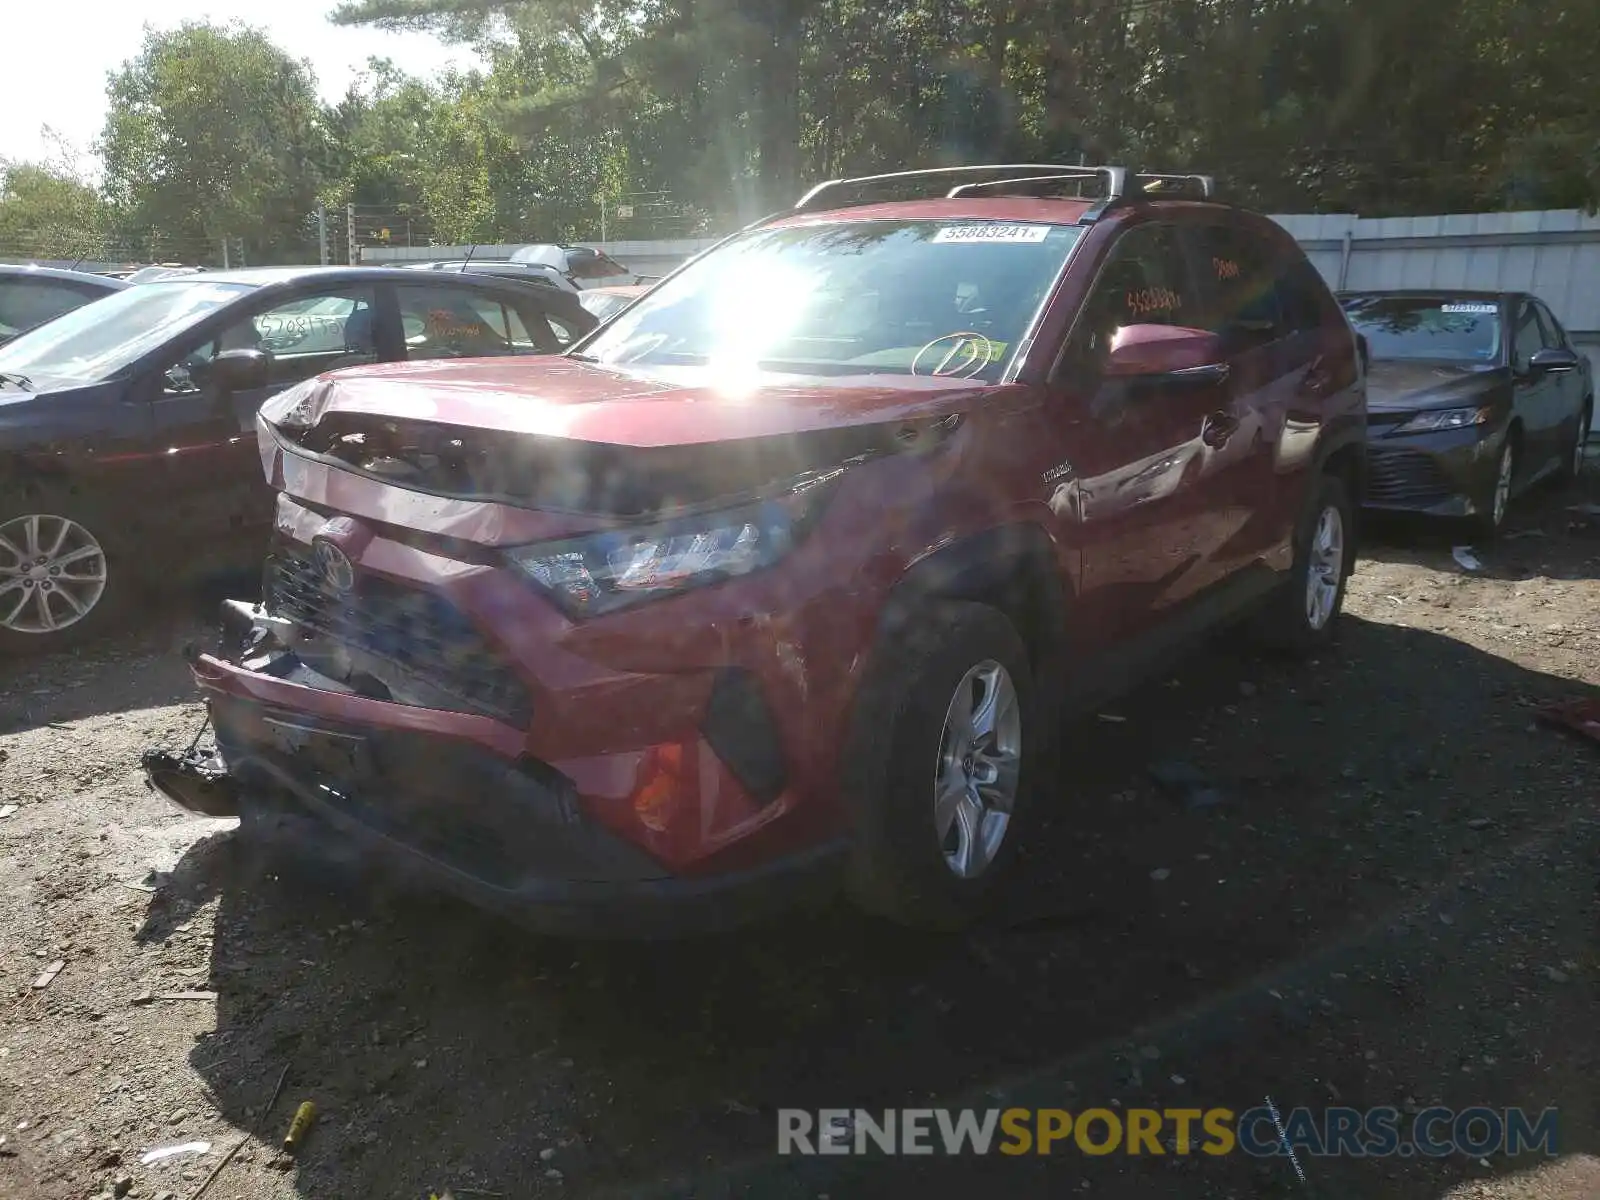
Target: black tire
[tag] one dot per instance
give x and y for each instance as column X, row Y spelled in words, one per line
column 1571, row 469
column 1486, row 526
column 1285, row 624
column 121, row 588
column 898, row 866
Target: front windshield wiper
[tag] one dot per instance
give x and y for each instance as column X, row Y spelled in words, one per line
column 17, row 381
column 583, row 357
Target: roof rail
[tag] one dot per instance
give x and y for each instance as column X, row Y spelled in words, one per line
column 1028, row 178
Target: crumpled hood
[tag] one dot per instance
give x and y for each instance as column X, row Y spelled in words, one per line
column 1408, row 386
column 680, row 406
column 558, row 435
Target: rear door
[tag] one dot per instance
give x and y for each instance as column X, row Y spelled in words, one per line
column 1263, row 304
column 1150, row 484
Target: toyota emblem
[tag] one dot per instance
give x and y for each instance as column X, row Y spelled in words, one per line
column 338, row 572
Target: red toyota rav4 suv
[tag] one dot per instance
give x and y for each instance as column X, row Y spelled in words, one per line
column 790, row 574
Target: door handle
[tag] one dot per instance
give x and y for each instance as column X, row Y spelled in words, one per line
column 1317, row 379
column 1218, row 428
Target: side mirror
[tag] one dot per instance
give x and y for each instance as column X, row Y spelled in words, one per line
column 236, row 371
column 1168, row 354
column 1552, row 360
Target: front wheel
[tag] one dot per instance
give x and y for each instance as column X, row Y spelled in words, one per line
column 940, row 766
column 1493, row 517
column 58, row 584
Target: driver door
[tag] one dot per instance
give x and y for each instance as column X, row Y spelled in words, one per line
column 213, row 478
column 1148, row 493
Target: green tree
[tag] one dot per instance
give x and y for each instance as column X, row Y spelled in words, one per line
column 47, row 213
column 214, row 133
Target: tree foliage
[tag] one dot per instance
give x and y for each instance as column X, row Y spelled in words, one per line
column 733, row 106
column 214, row 133
column 46, row 212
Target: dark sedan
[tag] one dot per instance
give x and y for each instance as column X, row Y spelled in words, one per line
column 127, row 426
column 30, row 296
column 1472, row 397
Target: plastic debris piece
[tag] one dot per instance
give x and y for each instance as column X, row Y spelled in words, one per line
column 7, row 809
column 298, row 1128
column 48, row 975
column 186, row 995
column 161, row 1152
column 1465, row 558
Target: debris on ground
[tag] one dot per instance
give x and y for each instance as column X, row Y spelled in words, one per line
column 48, row 975
column 300, row 1126
column 164, row 1152
column 1466, row 558
column 186, row 995
column 7, row 809
column 1579, row 716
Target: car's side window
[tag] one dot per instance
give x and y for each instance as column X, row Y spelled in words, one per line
column 445, row 321
column 1145, row 281
column 302, row 337
column 1249, row 300
column 1554, row 336
column 28, row 302
column 1526, row 338
column 564, row 331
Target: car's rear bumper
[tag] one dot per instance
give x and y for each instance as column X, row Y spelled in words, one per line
column 449, row 800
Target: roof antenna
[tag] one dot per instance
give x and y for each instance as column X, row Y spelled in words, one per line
column 466, row 262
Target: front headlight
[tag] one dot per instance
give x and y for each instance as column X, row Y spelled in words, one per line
column 616, row 569
column 1448, row 418
column 298, row 408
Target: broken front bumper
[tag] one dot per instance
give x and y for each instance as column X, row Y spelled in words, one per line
column 447, row 797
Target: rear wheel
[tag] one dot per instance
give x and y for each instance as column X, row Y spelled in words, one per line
column 1572, row 466
column 60, row 582
column 940, row 766
column 1304, row 613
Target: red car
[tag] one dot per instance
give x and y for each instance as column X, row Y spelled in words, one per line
column 788, row 576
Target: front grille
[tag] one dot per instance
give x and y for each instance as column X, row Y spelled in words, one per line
column 417, row 631
column 1405, row 477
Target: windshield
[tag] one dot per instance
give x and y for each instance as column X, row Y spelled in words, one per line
column 858, row 297
column 1429, row 327
column 96, row 341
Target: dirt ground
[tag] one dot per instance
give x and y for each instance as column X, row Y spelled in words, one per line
column 1394, row 903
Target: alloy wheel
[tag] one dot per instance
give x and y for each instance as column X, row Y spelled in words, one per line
column 1324, row 567
column 979, row 769
column 1502, row 487
column 52, row 573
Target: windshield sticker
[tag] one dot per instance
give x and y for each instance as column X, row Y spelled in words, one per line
column 992, row 233
column 1469, row 308
column 1225, row 268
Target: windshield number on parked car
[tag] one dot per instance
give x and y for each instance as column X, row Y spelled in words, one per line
column 1468, row 308
column 1226, row 268
column 1152, row 300
column 992, row 233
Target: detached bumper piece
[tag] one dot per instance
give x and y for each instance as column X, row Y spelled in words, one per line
column 196, row 781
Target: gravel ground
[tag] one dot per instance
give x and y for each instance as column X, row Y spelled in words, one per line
column 1394, row 903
